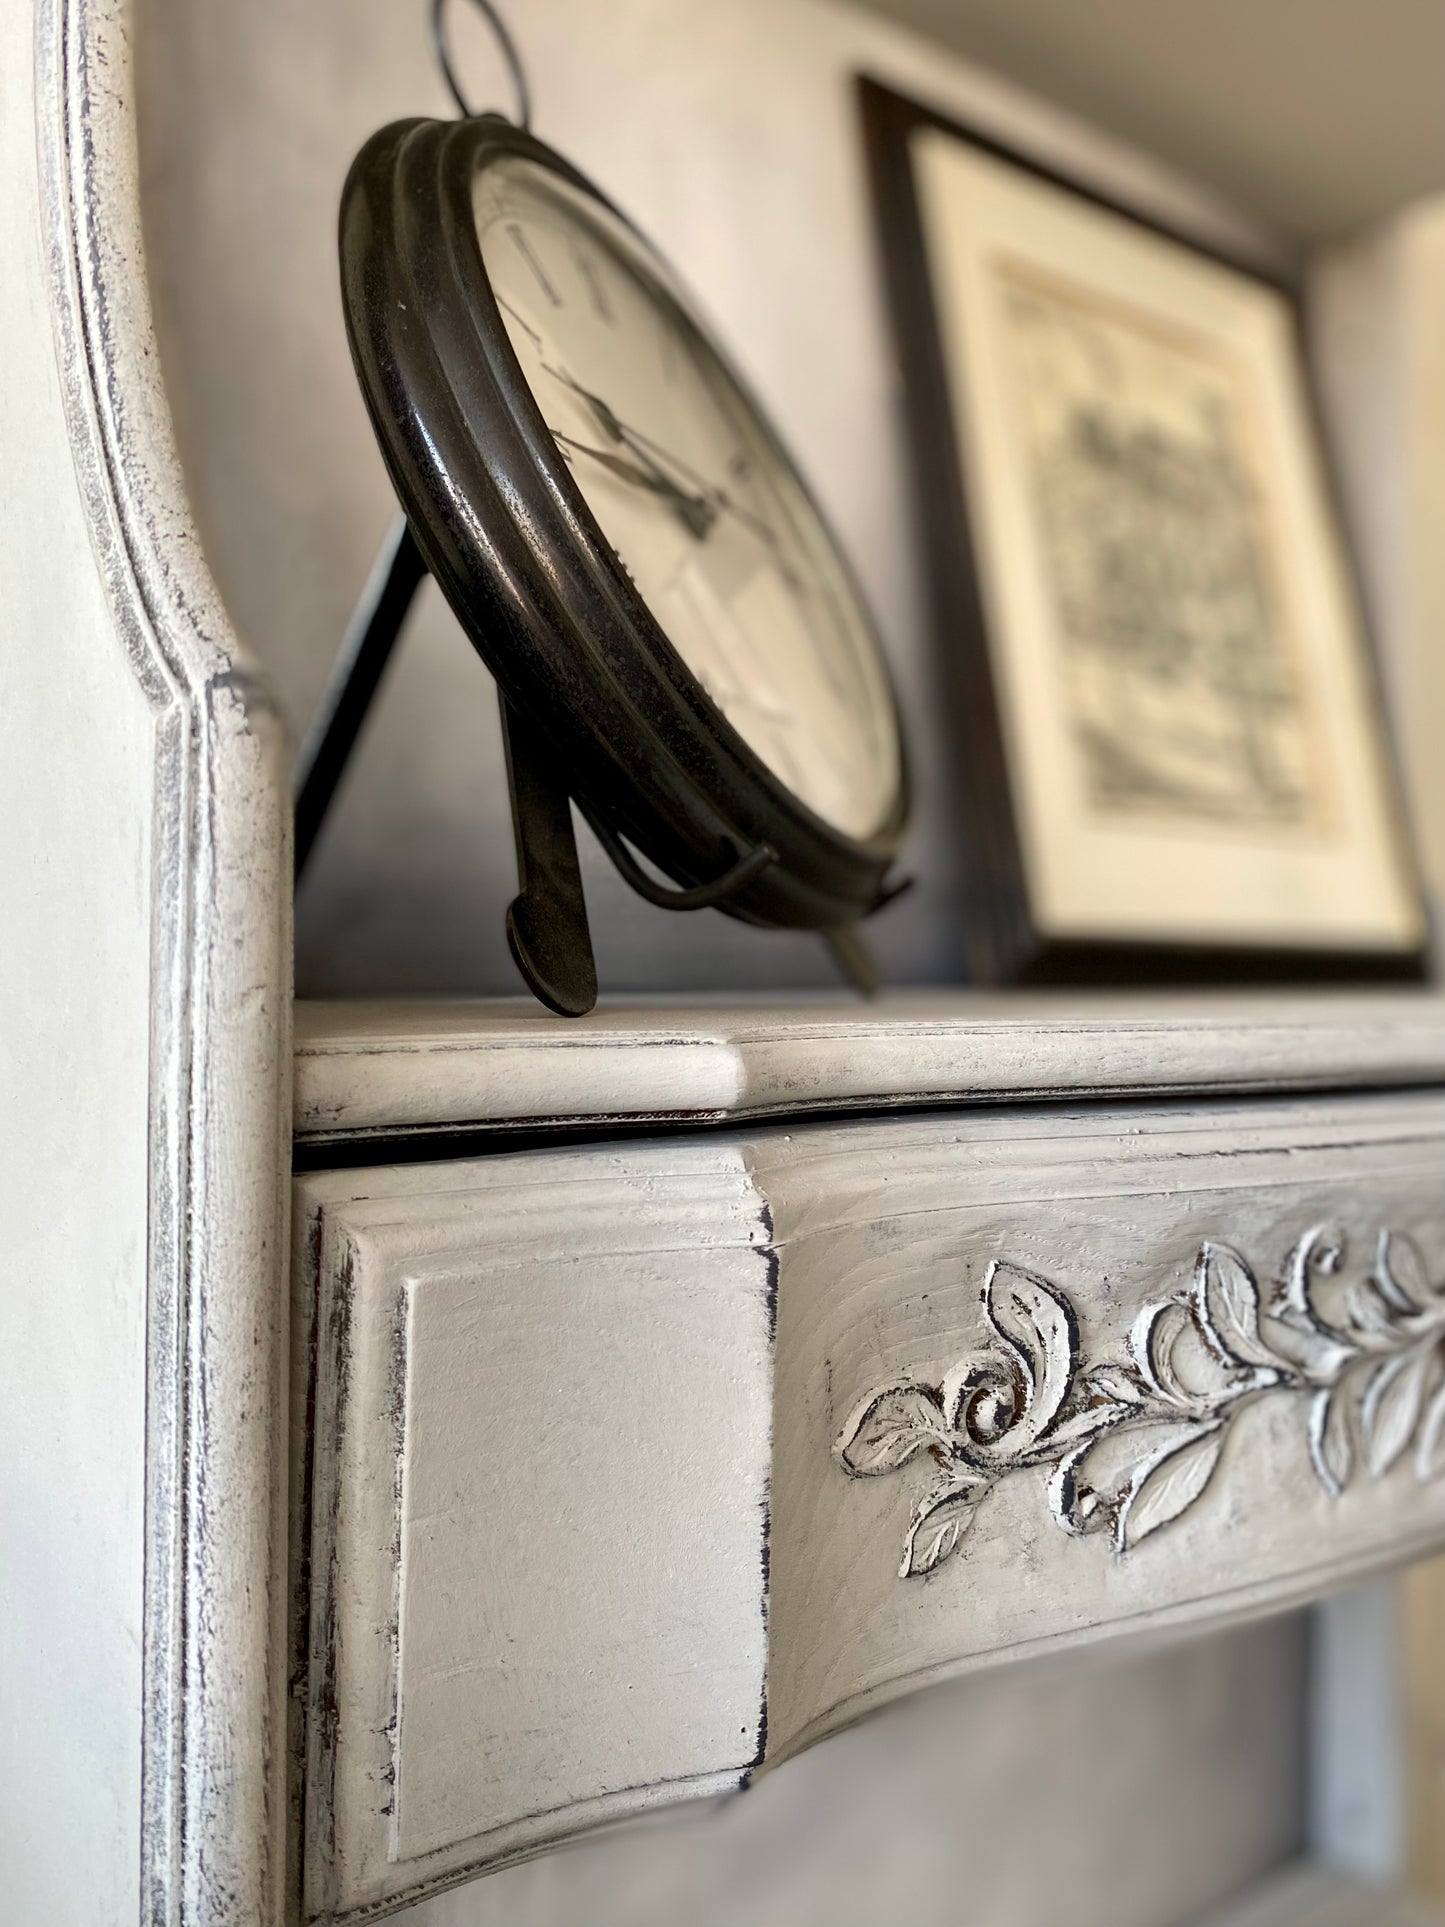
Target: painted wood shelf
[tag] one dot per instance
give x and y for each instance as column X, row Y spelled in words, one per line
column 392, row 1069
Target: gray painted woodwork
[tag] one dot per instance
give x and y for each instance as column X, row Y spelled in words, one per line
column 677, row 1368
column 145, row 1003
column 368, row 1068
column 145, row 999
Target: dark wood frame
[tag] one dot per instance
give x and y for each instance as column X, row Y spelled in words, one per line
column 1000, row 943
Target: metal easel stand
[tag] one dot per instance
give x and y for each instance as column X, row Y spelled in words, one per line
column 547, row 927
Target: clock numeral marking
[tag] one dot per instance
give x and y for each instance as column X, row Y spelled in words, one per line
column 524, row 248
column 587, row 268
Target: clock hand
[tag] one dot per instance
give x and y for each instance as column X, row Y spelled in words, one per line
column 714, row 492
column 646, row 448
column 611, row 426
column 695, row 512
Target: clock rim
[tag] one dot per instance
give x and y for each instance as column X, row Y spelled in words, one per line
column 524, row 563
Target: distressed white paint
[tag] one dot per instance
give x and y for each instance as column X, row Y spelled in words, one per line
column 886, row 1234
column 143, row 994
column 882, row 1236
column 144, row 1000
column 398, row 1067
column 499, row 1349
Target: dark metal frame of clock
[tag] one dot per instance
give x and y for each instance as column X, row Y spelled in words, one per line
column 597, row 704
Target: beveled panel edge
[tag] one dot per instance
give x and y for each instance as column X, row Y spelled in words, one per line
column 402, row 1069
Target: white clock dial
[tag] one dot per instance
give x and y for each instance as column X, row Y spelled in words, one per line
column 689, row 489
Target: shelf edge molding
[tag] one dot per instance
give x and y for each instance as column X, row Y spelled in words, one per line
column 393, row 1070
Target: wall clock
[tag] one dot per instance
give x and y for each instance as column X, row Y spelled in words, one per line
column 677, row 640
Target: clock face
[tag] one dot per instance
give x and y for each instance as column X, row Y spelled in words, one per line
column 691, row 492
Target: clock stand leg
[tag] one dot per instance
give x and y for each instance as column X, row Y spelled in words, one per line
column 547, row 922
column 853, row 958
column 547, row 919
column 360, row 663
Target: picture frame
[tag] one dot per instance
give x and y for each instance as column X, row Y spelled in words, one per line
column 1173, row 762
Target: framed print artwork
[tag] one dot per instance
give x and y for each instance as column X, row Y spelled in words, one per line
column 1171, row 750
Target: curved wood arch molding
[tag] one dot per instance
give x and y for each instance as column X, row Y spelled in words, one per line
column 219, row 1025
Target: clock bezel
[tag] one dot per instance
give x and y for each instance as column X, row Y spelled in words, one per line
column 523, row 562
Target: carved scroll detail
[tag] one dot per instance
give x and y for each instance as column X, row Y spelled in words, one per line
column 1131, row 1445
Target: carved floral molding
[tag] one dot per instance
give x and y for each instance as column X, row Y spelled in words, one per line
column 1131, row 1445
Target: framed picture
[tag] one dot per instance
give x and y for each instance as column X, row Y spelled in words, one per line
column 1171, row 750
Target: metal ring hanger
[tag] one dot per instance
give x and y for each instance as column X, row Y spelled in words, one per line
column 509, row 54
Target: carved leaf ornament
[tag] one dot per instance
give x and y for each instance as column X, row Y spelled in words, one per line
column 1130, row 1446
